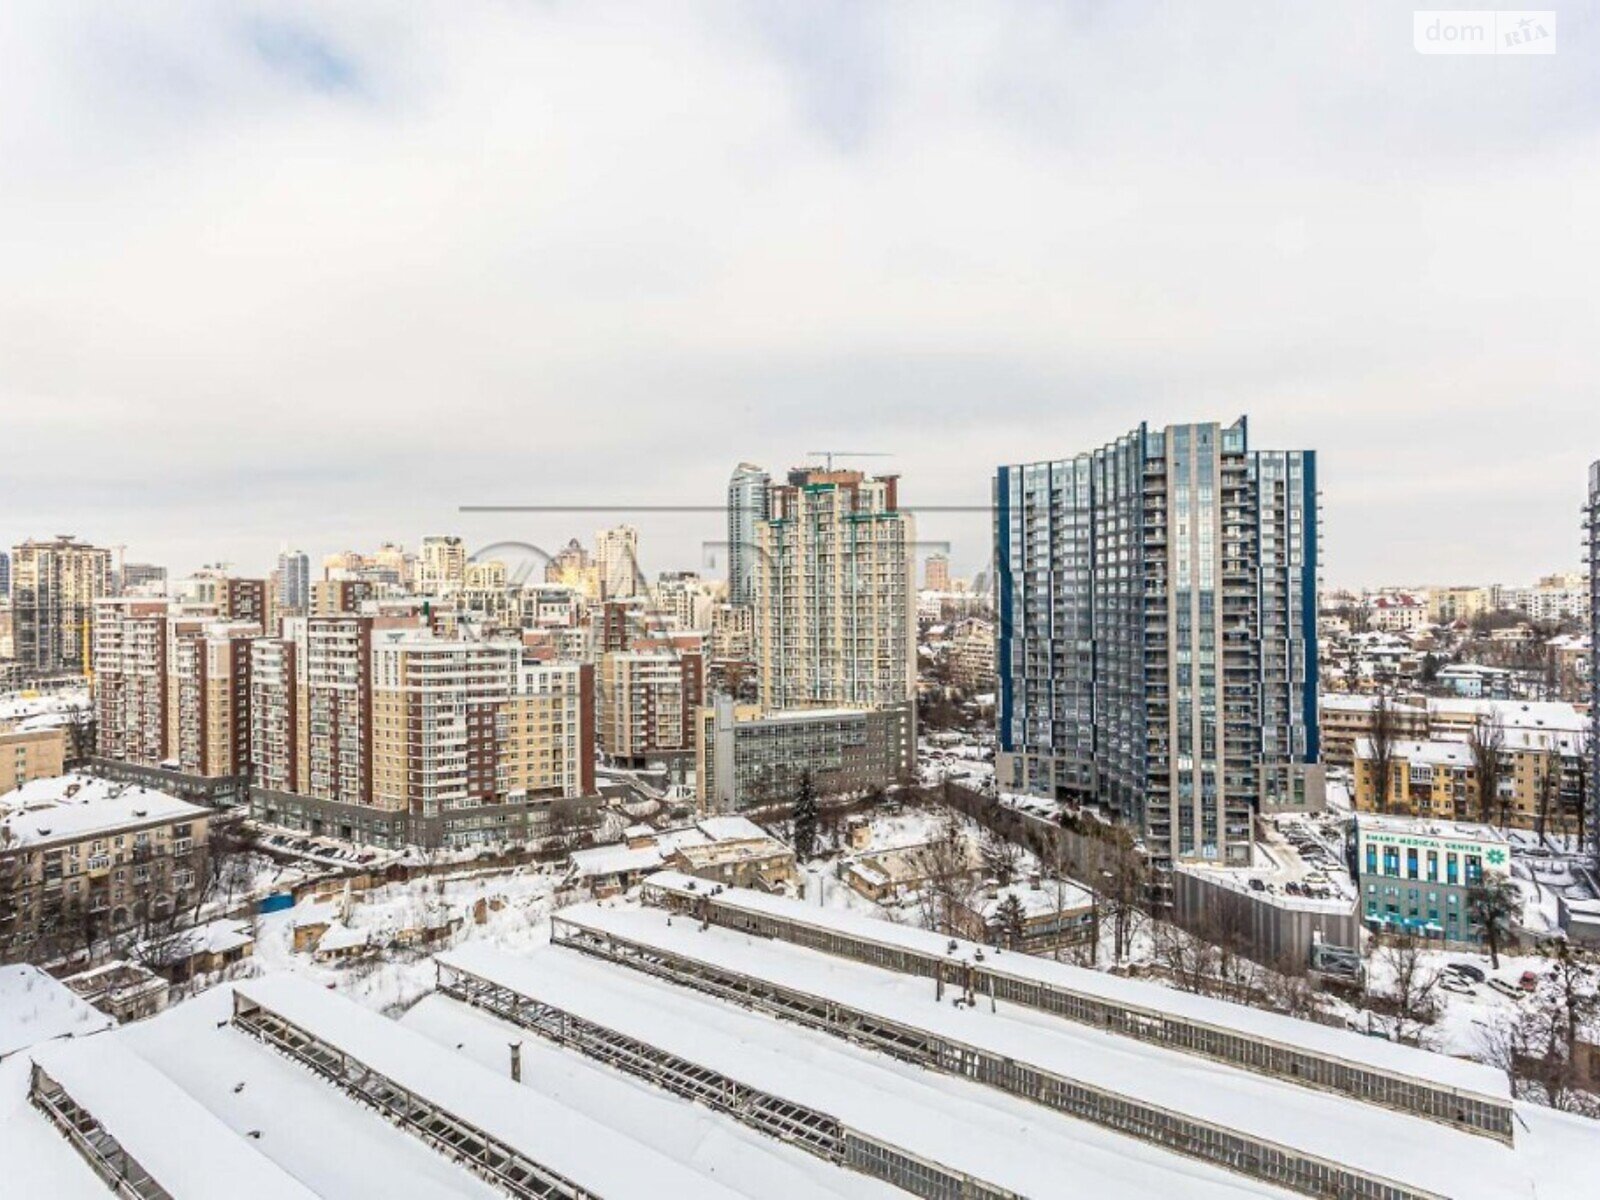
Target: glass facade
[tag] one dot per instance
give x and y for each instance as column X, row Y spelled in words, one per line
column 1156, row 650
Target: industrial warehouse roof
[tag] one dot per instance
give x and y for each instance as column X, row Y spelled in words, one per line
column 1335, row 1043
column 1320, row 1124
column 999, row 1139
column 186, row 1149
column 35, row 1008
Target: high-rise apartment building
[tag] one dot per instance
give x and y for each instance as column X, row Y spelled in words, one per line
column 294, row 582
column 572, row 567
column 648, row 696
column 936, row 573
column 686, row 598
column 130, row 679
column 1156, row 646
column 747, row 508
column 171, row 695
column 229, row 597
column 616, row 558
column 5, row 576
column 371, row 727
column 835, row 610
column 441, row 565
column 54, row 585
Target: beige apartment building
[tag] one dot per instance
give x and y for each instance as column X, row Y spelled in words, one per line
column 972, row 655
column 82, row 857
column 616, row 560
column 1447, row 605
column 441, row 565
column 648, row 696
column 373, row 728
column 835, row 609
column 1346, row 718
column 1542, row 772
column 27, row 754
column 130, row 678
column 208, row 690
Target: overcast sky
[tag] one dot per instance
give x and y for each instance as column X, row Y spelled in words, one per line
column 323, row 273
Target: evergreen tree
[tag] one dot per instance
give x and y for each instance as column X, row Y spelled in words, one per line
column 1494, row 905
column 1013, row 920
column 805, row 819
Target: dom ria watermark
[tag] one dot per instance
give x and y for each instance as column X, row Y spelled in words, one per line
column 1483, row 31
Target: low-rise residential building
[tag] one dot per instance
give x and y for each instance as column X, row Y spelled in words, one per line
column 31, row 754
column 1475, row 681
column 897, row 874
column 972, row 655
column 1041, row 916
column 748, row 757
column 1347, row 718
column 125, row 991
column 727, row 850
column 1399, row 613
column 1542, row 784
column 81, row 857
column 1414, row 876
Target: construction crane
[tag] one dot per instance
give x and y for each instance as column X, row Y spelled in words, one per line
column 830, row 455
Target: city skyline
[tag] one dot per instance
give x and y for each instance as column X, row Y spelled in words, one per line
column 340, row 273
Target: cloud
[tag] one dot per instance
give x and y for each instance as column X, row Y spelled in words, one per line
column 323, row 273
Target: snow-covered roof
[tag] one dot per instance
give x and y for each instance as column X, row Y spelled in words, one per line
column 26, row 706
column 70, row 807
column 213, row 937
column 619, row 859
column 730, row 829
column 35, row 1008
column 1134, row 993
column 1052, row 896
column 1337, row 1128
column 734, row 1154
column 590, row 1154
column 340, row 936
column 186, row 1149
column 962, row 1125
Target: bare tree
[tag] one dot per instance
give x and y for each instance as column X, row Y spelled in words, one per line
column 1487, row 743
column 1001, row 858
column 1549, row 790
column 1188, row 961
column 1381, row 741
column 945, row 865
column 1412, row 1000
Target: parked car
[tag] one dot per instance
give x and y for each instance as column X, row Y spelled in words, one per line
column 1505, row 989
column 1468, row 970
column 1454, row 983
column 1529, row 981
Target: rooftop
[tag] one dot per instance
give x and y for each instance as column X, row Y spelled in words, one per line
column 1134, row 993
column 70, row 807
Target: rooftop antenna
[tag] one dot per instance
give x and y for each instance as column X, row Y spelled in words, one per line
column 830, row 455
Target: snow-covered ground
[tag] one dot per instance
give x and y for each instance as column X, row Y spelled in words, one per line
column 517, row 916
